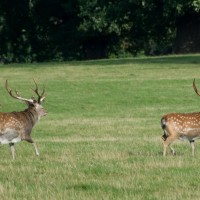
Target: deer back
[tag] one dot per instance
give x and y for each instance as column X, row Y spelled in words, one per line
column 182, row 123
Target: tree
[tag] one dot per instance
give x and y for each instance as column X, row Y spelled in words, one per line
column 54, row 33
column 188, row 28
column 14, row 39
column 41, row 30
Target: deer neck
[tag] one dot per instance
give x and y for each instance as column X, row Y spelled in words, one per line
column 31, row 115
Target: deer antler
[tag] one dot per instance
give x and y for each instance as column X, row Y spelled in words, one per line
column 17, row 94
column 40, row 97
column 195, row 87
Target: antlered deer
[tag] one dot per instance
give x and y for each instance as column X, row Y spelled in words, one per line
column 17, row 126
column 181, row 126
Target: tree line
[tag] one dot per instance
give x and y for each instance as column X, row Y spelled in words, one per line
column 46, row 30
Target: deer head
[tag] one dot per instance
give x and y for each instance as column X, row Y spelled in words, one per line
column 37, row 104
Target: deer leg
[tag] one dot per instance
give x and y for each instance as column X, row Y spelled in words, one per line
column 172, row 150
column 12, row 150
column 167, row 143
column 193, row 147
column 36, row 149
column 30, row 140
column 164, row 149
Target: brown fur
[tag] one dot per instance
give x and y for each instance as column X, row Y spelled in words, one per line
column 180, row 126
column 17, row 126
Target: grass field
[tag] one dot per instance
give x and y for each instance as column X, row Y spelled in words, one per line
column 101, row 139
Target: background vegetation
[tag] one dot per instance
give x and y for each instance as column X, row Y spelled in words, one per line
column 41, row 30
column 102, row 136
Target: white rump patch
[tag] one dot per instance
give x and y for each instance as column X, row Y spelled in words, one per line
column 9, row 136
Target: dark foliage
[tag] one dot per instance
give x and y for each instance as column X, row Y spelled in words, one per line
column 46, row 30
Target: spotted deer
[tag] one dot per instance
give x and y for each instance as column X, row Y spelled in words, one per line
column 183, row 126
column 17, row 126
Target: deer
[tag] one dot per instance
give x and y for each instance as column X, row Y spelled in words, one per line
column 17, row 126
column 182, row 126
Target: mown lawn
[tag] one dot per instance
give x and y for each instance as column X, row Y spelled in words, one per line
column 102, row 136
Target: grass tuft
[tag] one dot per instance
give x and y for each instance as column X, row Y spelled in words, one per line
column 101, row 138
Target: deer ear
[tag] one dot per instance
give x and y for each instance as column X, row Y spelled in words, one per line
column 34, row 100
column 28, row 103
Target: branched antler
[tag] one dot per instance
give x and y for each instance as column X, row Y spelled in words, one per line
column 32, row 100
column 17, row 94
column 40, row 97
column 195, row 88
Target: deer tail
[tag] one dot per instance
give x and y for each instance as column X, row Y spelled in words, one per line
column 164, row 125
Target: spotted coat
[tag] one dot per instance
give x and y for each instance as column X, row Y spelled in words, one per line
column 183, row 126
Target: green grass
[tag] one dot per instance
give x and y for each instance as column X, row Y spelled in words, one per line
column 101, row 138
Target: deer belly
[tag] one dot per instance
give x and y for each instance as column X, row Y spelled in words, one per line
column 9, row 136
column 190, row 134
column 184, row 137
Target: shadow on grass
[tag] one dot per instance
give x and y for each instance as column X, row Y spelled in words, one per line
column 171, row 59
column 95, row 187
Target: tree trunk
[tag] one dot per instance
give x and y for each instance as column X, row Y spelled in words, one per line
column 188, row 34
